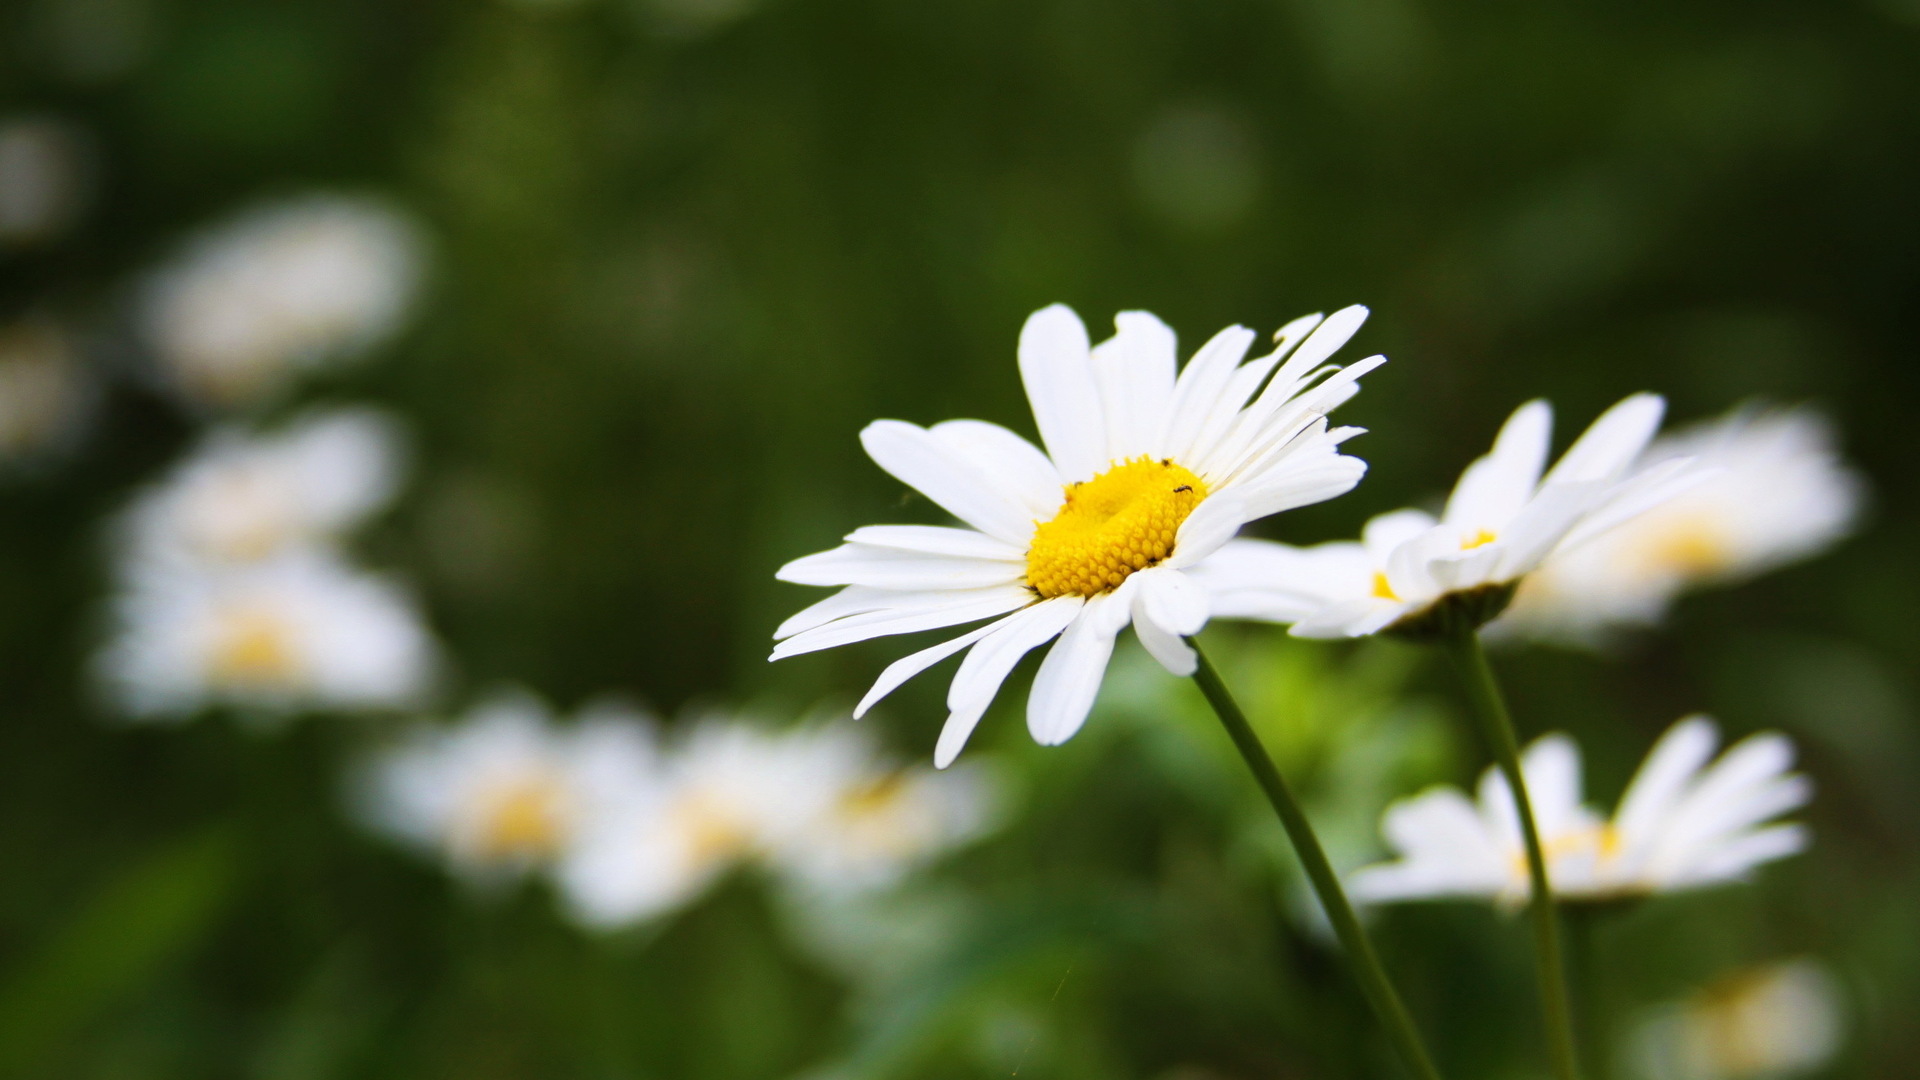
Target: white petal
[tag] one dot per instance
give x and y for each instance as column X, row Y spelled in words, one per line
column 958, row 607
column 1170, row 649
column 1134, row 370
column 1736, row 859
column 1172, row 600
column 1069, row 678
column 1666, row 774
column 1259, row 579
column 989, row 664
column 1057, row 369
column 1212, row 523
column 1200, row 386
column 933, row 467
column 1609, row 446
column 898, row 672
column 1552, row 769
column 887, row 568
column 1386, row 532
column 1009, row 461
column 936, row 540
column 1494, row 488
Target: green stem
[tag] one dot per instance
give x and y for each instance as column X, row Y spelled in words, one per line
column 1490, row 709
column 1373, row 978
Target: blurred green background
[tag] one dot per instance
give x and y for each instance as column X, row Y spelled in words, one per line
column 684, row 249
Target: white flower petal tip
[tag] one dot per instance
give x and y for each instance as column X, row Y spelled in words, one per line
column 1685, row 822
column 1507, row 518
column 1149, row 469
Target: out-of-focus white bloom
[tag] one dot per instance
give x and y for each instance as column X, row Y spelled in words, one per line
column 45, row 390
column 44, row 178
column 505, row 789
column 280, row 289
column 1148, row 470
column 297, row 631
column 726, row 787
column 241, row 497
column 1683, row 823
column 1774, row 1021
column 1780, row 492
column 881, row 819
column 1502, row 522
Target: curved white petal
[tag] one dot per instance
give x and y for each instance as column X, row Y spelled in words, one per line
column 1200, row 385
column 1607, row 449
column 956, row 608
column 1069, row 678
column 1009, row 461
column 936, row 540
column 1212, row 524
column 1056, row 367
column 1174, row 601
column 887, row 568
column 989, row 664
column 1494, row 488
column 1664, row 777
column 931, row 466
column 1168, row 648
column 1135, row 372
column 898, row 672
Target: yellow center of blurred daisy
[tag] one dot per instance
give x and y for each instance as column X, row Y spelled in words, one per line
column 523, row 820
column 254, row 647
column 1382, row 588
column 1123, row 520
column 1479, row 539
column 1689, row 546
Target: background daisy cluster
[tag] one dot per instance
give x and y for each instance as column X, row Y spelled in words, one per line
column 403, row 411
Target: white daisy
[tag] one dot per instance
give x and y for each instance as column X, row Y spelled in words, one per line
column 241, row 497
column 1146, row 474
column 506, row 789
column 1780, row 492
column 1682, row 824
column 1777, row 1020
column 280, row 289
column 1413, row 572
column 725, row 787
column 881, row 819
column 297, row 631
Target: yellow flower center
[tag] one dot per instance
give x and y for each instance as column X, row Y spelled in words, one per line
column 1480, row 538
column 1691, row 546
column 1123, row 520
column 254, row 647
column 523, row 820
column 714, row 833
column 1604, row 841
column 1382, row 588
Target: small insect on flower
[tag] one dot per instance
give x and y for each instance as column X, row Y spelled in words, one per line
column 1682, row 824
column 506, row 789
column 1779, row 492
column 1773, row 1021
column 1412, row 573
column 1147, row 472
column 279, row 290
column 241, row 497
column 299, row 631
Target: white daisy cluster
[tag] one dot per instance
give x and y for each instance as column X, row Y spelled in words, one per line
column 278, row 291
column 1686, row 821
column 1778, row 491
column 632, row 824
column 234, row 588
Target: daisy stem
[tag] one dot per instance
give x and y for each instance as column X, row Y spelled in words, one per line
column 1490, row 708
column 1373, row 978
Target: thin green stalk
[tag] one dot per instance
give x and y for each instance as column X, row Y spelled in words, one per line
column 1373, row 978
column 1490, row 709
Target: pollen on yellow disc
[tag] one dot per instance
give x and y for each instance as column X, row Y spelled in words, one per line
column 1123, row 520
column 254, row 647
column 524, row 820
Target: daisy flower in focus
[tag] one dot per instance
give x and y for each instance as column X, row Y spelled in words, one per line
column 1686, row 821
column 298, row 631
column 1776, row 1020
column 241, row 497
column 1780, row 492
column 281, row 289
column 1146, row 473
column 1412, row 572
column 506, row 789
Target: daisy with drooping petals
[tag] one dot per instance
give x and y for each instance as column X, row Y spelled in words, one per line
column 1780, row 492
column 1412, row 572
column 506, row 789
column 1146, row 473
column 301, row 630
column 1682, row 824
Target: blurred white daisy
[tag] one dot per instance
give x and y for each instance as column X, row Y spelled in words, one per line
column 1413, row 572
column 1774, row 1021
column 1780, row 492
column 281, row 289
column 881, row 819
column 46, row 392
column 1146, row 474
column 1682, row 824
column 725, row 787
column 241, row 497
column 299, row 631
column 505, row 789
